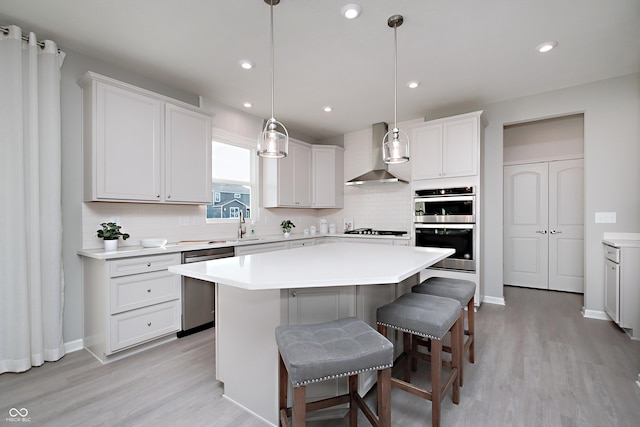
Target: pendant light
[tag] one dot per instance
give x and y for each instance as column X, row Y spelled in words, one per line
column 272, row 142
column 395, row 143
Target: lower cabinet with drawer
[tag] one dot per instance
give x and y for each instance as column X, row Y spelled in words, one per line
column 130, row 304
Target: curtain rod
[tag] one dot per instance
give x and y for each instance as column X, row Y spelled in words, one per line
column 5, row 30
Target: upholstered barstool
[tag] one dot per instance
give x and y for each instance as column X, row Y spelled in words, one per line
column 431, row 317
column 322, row 351
column 462, row 291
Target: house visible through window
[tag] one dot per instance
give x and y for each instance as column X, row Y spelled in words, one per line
column 232, row 179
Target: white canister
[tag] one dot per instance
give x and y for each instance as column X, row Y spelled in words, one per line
column 306, row 231
column 332, row 228
column 312, row 230
column 324, row 228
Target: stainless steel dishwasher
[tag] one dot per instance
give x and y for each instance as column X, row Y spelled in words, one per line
column 198, row 296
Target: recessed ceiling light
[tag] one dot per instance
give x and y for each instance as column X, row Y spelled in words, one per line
column 413, row 84
column 351, row 10
column 246, row 64
column 327, row 109
column 247, row 105
column 546, row 46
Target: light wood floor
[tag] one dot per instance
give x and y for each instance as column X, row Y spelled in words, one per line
column 538, row 363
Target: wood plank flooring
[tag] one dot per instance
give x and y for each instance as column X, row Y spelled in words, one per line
column 538, row 363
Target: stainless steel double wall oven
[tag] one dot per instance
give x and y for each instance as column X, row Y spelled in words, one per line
column 446, row 218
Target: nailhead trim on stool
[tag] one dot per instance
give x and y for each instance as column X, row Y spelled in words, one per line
column 426, row 316
column 322, row 351
column 463, row 291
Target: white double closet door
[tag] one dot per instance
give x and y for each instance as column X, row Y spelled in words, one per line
column 544, row 225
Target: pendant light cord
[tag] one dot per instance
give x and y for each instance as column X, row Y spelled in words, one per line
column 395, row 78
column 272, row 61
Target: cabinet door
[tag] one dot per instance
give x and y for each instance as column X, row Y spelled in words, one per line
column 612, row 290
column 327, row 177
column 128, row 139
column 426, row 152
column 302, row 175
column 460, row 147
column 187, row 156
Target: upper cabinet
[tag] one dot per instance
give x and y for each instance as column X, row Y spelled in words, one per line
column 309, row 177
column 142, row 147
column 327, row 182
column 446, row 148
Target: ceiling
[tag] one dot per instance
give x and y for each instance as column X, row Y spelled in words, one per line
column 466, row 53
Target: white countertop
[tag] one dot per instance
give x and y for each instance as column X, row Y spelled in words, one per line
column 619, row 240
column 335, row 264
column 131, row 251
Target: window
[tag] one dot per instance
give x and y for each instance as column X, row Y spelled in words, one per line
column 233, row 176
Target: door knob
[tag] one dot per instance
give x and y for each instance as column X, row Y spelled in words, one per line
column 542, row 231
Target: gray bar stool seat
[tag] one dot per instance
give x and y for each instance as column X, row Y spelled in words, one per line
column 463, row 291
column 431, row 317
column 341, row 348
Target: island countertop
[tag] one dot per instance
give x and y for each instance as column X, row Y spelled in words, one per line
column 334, row 264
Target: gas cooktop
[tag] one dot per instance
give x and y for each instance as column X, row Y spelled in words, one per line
column 376, row 232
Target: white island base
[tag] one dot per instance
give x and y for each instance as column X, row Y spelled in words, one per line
column 255, row 294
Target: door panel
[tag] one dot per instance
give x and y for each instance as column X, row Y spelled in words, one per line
column 525, row 220
column 566, row 226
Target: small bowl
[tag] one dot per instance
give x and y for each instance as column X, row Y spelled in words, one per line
column 153, row 243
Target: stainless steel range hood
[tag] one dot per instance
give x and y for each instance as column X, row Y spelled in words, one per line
column 379, row 173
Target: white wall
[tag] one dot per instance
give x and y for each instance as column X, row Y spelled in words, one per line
column 612, row 177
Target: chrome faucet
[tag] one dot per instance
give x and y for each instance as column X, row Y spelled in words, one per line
column 242, row 229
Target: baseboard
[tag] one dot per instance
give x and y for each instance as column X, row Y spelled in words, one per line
column 71, row 346
column 494, row 300
column 595, row 314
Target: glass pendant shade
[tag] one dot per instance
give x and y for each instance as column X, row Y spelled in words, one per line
column 272, row 143
column 395, row 147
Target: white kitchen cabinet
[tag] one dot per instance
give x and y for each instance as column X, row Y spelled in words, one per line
column 187, row 148
column 143, row 147
column 129, row 304
column 446, row 148
column 327, row 181
column 622, row 293
column 286, row 182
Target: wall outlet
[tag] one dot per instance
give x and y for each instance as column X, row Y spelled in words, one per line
column 606, row 217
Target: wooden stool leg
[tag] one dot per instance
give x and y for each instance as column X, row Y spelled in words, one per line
column 353, row 406
column 409, row 347
column 457, row 350
column 384, row 398
column 436, row 368
column 283, row 387
column 299, row 414
column 459, row 326
column 472, row 334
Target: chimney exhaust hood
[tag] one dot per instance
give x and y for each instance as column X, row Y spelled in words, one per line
column 379, row 173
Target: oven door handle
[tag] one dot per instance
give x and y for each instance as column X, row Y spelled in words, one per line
column 445, row 199
column 444, row 225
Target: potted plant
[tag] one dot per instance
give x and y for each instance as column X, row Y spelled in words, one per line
column 110, row 233
column 286, row 227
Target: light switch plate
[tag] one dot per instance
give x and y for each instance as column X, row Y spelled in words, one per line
column 606, row 217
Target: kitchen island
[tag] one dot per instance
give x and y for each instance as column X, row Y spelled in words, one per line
column 258, row 292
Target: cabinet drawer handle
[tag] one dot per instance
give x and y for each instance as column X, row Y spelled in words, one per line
column 169, row 196
column 148, row 264
column 158, row 196
column 294, row 294
column 148, row 323
column 149, row 290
